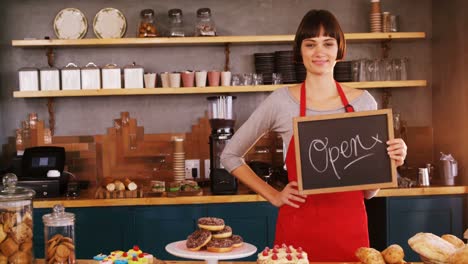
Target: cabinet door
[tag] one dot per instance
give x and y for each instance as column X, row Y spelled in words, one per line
column 255, row 222
column 97, row 230
column 157, row 226
column 434, row 214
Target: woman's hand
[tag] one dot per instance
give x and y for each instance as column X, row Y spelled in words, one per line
column 397, row 150
column 289, row 195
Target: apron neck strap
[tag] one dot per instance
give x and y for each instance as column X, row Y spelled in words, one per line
column 344, row 100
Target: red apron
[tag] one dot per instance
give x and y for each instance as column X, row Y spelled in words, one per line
column 329, row 227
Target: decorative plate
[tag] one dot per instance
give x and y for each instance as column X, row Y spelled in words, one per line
column 70, row 23
column 109, row 23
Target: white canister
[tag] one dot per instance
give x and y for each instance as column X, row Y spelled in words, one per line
column 28, row 79
column 90, row 77
column 111, row 77
column 71, row 77
column 50, row 79
column 133, row 75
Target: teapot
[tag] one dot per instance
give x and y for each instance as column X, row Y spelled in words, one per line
column 448, row 169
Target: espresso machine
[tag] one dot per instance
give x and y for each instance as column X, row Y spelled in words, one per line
column 222, row 121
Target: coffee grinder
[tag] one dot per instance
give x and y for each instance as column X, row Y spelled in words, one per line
column 222, row 120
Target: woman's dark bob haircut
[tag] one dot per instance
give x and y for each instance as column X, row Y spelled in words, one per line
column 310, row 27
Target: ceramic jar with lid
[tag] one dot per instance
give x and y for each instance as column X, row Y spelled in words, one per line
column 176, row 24
column 16, row 222
column 71, row 77
column 147, row 27
column 90, row 77
column 133, row 76
column 111, row 77
column 28, row 79
column 50, row 79
column 59, row 235
column 205, row 25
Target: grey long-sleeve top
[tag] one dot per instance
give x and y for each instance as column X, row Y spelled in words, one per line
column 276, row 114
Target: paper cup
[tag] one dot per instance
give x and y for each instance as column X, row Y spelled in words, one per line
column 150, row 80
column 200, row 78
column 188, row 78
column 213, row 78
column 226, row 78
column 174, row 80
column 165, row 79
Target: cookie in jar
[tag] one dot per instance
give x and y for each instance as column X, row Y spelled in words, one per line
column 147, row 27
column 59, row 235
column 16, row 222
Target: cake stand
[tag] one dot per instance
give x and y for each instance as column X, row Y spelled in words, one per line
column 180, row 250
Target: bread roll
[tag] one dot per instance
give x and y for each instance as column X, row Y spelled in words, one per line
column 131, row 186
column 460, row 256
column 431, row 247
column 119, row 185
column 458, row 243
column 369, row 256
column 393, row 254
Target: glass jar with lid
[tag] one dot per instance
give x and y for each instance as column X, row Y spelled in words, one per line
column 59, row 235
column 205, row 25
column 147, row 27
column 16, row 215
column 176, row 23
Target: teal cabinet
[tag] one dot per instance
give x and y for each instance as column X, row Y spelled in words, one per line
column 393, row 220
column 104, row 229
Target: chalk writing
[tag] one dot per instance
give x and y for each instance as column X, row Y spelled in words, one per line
column 354, row 149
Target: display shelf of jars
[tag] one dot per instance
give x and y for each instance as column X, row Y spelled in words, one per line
column 350, row 37
column 204, row 90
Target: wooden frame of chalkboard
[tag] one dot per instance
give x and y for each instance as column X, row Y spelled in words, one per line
column 344, row 152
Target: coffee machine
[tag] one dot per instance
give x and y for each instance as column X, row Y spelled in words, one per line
column 222, row 121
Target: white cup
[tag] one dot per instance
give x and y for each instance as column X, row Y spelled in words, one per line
column 150, row 80
column 174, row 79
column 165, row 79
column 200, row 78
column 226, row 78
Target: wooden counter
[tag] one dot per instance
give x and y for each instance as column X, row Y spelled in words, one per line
column 87, row 199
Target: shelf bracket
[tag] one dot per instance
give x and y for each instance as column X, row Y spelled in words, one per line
column 227, row 53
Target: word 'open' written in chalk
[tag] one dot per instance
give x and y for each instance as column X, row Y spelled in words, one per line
column 354, row 149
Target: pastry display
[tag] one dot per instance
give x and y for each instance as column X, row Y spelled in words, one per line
column 132, row 256
column 283, row 254
column 393, row 254
column 214, row 236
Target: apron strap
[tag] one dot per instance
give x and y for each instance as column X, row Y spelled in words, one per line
column 344, row 100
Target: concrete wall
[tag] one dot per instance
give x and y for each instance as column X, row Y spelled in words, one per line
column 176, row 113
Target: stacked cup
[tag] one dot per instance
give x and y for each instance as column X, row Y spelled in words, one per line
column 375, row 16
column 178, row 164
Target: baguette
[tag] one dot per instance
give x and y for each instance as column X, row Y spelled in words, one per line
column 108, row 183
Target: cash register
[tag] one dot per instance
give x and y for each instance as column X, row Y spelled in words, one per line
column 42, row 170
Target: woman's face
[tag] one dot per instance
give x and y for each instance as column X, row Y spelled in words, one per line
column 319, row 54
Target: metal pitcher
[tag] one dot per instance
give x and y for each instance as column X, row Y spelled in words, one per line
column 448, row 168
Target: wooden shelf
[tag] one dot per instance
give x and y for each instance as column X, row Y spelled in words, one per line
column 202, row 90
column 350, row 37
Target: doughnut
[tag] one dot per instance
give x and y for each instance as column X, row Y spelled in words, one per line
column 237, row 240
column 198, row 239
column 220, row 245
column 211, row 223
column 225, row 233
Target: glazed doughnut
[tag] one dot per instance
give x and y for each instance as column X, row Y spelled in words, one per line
column 220, row 245
column 237, row 240
column 225, row 233
column 198, row 239
column 211, row 223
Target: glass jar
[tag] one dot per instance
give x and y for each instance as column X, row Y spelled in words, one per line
column 176, row 24
column 16, row 215
column 59, row 235
column 147, row 26
column 205, row 25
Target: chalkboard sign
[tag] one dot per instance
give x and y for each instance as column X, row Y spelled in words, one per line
column 344, row 152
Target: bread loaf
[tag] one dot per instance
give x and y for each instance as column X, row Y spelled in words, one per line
column 458, row 243
column 369, row 256
column 460, row 256
column 393, row 254
column 131, row 186
column 431, row 247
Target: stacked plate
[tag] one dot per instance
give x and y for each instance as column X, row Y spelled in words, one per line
column 343, row 71
column 284, row 64
column 178, row 163
column 301, row 72
column 375, row 22
column 265, row 64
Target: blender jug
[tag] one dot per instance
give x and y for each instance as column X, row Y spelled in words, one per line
column 448, row 168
